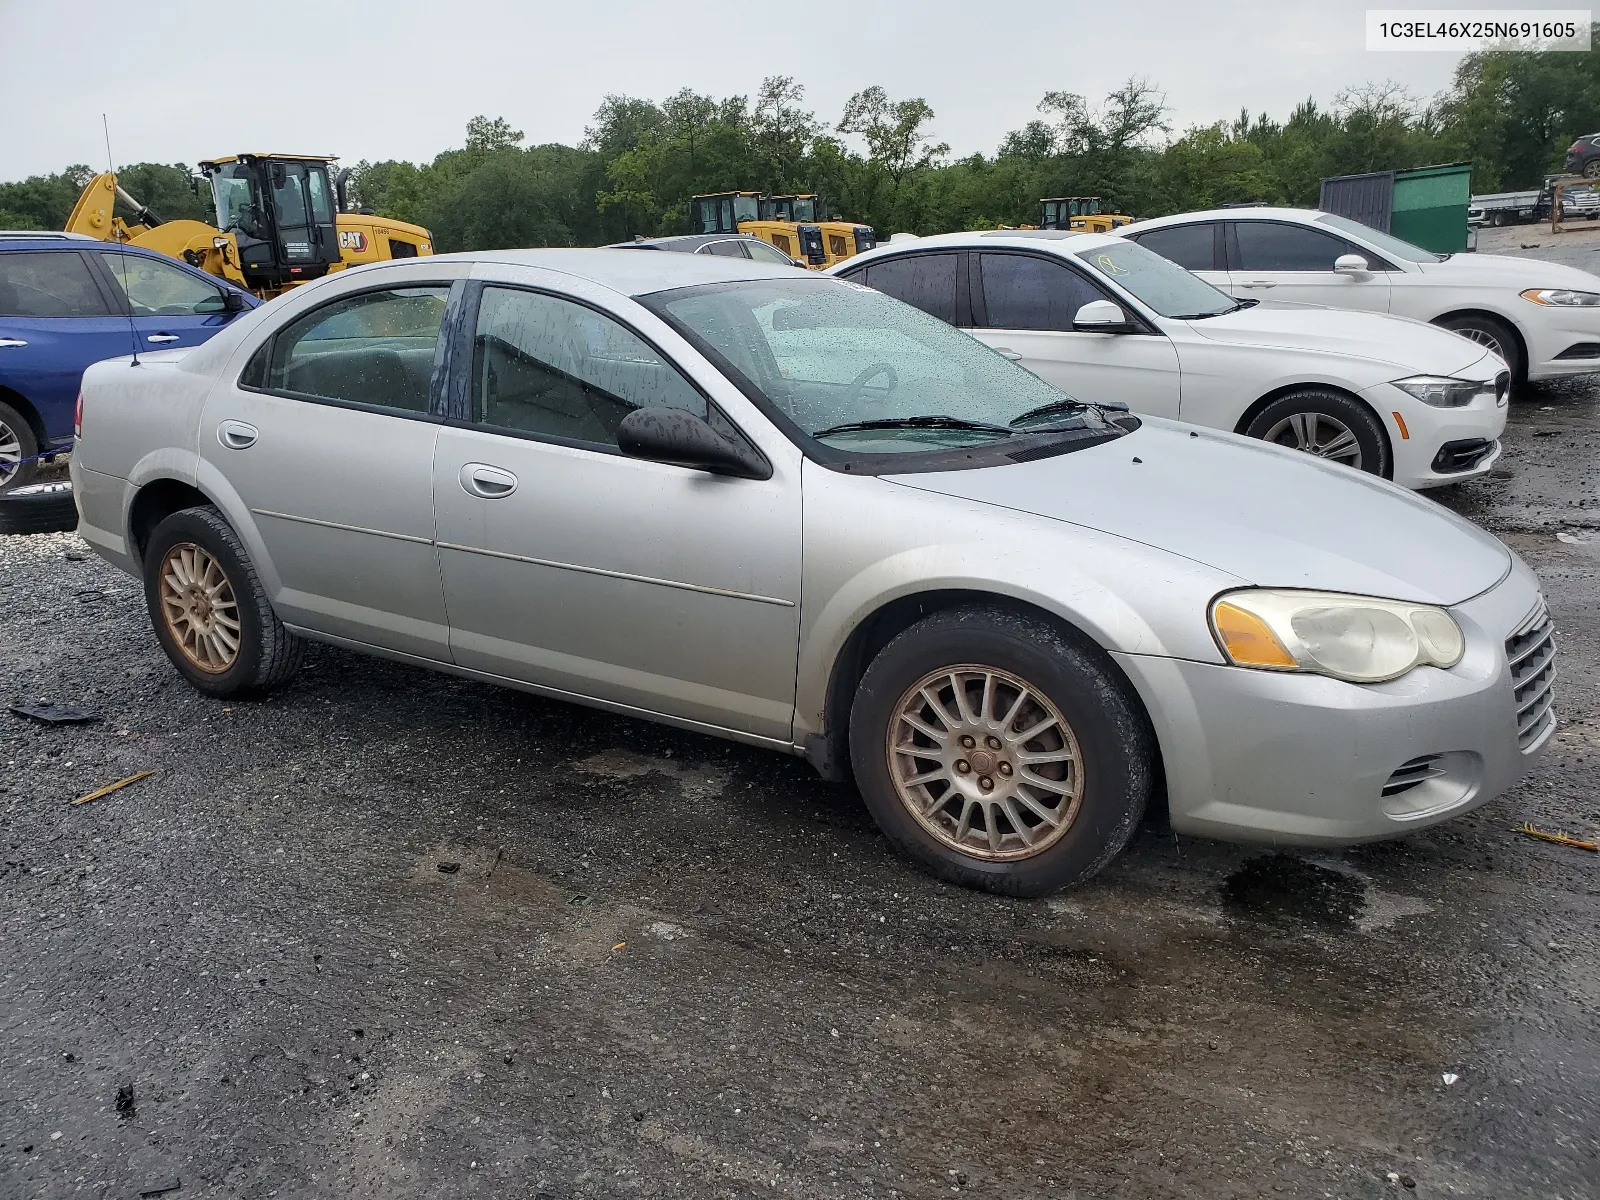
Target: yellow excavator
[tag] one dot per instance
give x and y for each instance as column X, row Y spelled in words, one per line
column 798, row 225
column 1079, row 213
column 281, row 222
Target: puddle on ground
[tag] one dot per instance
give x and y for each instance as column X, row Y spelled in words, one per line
column 1290, row 891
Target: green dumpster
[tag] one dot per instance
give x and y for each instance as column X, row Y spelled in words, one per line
column 1430, row 207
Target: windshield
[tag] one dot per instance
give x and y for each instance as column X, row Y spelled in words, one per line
column 829, row 353
column 745, row 208
column 1386, row 242
column 1162, row 284
column 233, row 189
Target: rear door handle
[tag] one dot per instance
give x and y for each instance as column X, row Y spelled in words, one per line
column 11, row 343
column 1258, row 283
column 490, row 483
column 162, row 337
column 236, row 435
column 1007, row 352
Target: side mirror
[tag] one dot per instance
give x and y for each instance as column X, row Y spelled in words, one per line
column 1101, row 316
column 671, row 435
column 1350, row 264
column 233, row 302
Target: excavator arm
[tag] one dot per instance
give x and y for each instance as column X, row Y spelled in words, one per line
column 198, row 244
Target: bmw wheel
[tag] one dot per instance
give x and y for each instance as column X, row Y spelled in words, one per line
column 1000, row 752
column 1325, row 424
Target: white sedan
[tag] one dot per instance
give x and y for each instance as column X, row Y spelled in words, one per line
column 1541, row 317
column 1106, row 320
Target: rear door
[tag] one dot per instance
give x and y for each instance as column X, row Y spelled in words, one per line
column 171, row 306
column 1023, row 305
column 1279, row 260
column 327, row 438
column 56, row 317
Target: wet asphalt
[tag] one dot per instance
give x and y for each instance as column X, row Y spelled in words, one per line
column 394, row 934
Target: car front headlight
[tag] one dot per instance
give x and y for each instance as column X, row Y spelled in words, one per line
column 1441, row 391
column 1360, row 639
column 1562, row 297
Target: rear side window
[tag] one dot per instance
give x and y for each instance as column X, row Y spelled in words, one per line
column 728, row 249
column 48, row 283
column 1192, row 247
column 1269, row 246
column 374, row 349
column 1021, row 291
column 549, row 367
column 161, row 289
column 925, row 281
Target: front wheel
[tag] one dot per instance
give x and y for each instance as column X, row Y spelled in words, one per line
column 1591, row 169
column 1325, row 424
column 999, row 752
column 1492, row 334
column 210, row 610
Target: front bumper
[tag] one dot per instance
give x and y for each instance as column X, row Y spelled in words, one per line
column 1560, row 340
column 1305, row 760
column 1418, row 432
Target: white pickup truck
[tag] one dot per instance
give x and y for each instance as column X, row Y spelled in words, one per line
column 1520, row 208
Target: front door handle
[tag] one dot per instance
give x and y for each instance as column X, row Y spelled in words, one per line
column 236, row 435
column 162, row 337
column 11, row 343
column 489, row 483
column 1007, row 352
column 1259, row 283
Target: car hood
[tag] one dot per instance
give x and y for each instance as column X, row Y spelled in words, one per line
column 1411, row 347
column 1498, row 270
column 1266, row 515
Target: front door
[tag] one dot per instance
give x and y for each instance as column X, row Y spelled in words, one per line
column 567, row 565
column 170, row 306
column 1023, row 305
column 55, row 319
column 1280, row 261
column 328, row 440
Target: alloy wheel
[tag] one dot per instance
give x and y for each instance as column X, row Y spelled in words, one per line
column 199, row 607
column 985, row 762
column 1318, row 434
column 10, row 454
column 1483, row 337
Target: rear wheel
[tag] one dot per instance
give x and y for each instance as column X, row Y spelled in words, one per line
column 999, row 752
column 1325, row 424
column 1497, row 219
column 17, row 447
column 1492, row 334
column 210, row 610
column 1591, row 169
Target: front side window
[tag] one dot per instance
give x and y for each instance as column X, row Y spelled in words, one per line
column 1164, row 286
column 374, row 349
column 762, row 252
column 1022, row 291
column 320, row 195
column 1386, row 242
column 289, row 194
column 925, row 281
column 1192, row 247
column 728, row 249
column 861, row 372
column 550, row 367
column 158, row 289
column 48, row 283
column 1270, row 246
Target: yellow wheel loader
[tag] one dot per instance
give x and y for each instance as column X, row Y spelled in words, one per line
column 1079, row 213
column 281, row 221
column 797, row 225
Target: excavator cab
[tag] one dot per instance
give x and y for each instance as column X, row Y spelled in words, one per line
column 1080, row 213
column 281, row 209
column 723, row 212
column 793, row 208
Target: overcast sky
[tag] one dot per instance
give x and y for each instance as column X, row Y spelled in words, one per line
column 182, row 80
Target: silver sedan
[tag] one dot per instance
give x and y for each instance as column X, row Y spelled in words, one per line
column 795, row 512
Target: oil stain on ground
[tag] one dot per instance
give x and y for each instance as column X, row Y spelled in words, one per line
column 1284, row 890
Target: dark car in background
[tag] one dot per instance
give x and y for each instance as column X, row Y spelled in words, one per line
column 726, row 245
column 67, row 301
column 1583, row 156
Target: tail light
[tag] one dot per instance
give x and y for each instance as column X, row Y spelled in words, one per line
column 77, row 417
column 1575, row 147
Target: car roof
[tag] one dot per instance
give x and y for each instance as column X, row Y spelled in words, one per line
column 1059, row 241
column 680, row 241
column 622, row 271
column 1250, row 212
column 43, row 235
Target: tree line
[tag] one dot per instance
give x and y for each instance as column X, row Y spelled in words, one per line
column 1511, row 115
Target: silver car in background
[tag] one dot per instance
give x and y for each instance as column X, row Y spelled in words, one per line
column 792, row 511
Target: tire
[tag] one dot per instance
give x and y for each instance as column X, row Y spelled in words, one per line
column 1497, row 219
column 1097, row 798
column 38, row 508
column 17, row 444
column 1327, row 424
column 1496, row 335
column 264, row 654
column 1591, row 169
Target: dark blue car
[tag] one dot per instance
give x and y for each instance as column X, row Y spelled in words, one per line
column 67, row 301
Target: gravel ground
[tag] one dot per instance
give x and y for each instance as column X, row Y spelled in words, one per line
column 395, row 934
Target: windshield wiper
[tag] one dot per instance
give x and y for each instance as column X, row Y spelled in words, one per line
column 1220, row 312
column 928, row 421
column 1054, row 408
